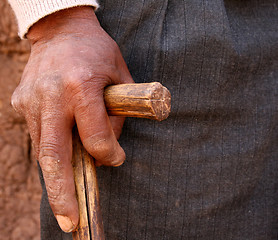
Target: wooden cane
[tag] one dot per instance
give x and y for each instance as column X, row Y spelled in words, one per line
column 145, row 100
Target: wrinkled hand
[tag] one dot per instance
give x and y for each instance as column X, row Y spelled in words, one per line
column 72, row 60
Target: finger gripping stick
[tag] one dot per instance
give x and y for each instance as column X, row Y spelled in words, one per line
column 144, row 100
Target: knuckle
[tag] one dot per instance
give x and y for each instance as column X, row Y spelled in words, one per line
column 85, row 98
column 80, row 80
column 82, row 104
column 77, row 79
column 76, row 76
column 20, row 101
column 49, row 160
column 78, row 88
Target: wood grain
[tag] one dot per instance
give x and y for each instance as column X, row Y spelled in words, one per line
column 144, row 100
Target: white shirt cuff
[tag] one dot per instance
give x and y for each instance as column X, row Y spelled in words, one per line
column 28, row 12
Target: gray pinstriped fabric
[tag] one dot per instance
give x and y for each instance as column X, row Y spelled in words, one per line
column 210, row 171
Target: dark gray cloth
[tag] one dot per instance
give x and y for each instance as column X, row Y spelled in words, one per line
column 210, row 171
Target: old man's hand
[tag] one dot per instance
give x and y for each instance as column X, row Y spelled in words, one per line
column 72, row 60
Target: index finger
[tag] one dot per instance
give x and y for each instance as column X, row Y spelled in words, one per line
column 55, row 162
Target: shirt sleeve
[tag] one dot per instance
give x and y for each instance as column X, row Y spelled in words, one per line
column 28, row 12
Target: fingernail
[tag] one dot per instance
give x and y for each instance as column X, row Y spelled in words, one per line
column 118, row 164
column 65, row 223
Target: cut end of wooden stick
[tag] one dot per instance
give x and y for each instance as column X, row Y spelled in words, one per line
column 143, row 100
column 161, row 102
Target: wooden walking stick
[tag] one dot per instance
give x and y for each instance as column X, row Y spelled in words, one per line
column 145, row 100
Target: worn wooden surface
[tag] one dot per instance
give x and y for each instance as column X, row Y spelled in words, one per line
column 145, row 100
column 90, row 221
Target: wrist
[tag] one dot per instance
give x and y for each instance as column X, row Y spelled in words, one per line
column 68, row 21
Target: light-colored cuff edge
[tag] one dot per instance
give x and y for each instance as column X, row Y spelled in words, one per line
column 31, row 11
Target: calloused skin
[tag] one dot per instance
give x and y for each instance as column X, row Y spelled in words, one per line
column 72, row 60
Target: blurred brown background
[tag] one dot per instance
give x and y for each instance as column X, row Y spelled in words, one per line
column 19, row 183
